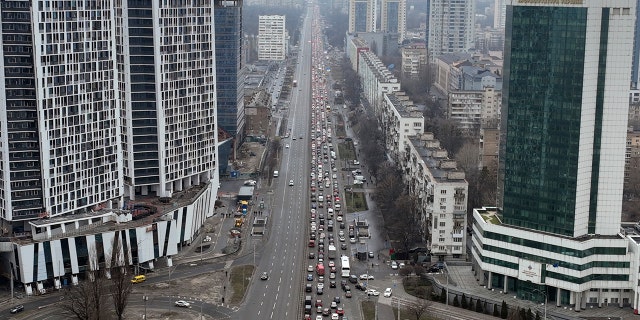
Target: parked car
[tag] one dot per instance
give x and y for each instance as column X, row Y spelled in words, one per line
column 387, row 292
column 182, row 303
column 18, row 308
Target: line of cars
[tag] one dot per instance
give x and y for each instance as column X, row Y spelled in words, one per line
column 325, row 215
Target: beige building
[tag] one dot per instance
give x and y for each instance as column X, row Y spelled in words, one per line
column 414, row 60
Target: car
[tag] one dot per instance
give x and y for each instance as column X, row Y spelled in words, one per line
column 182, row 303
column 353, row 278
column 342, row 225
column 352, row 240
column 312, row 255
column 339, row 218
column 387, row 292
column 332, row 284
column 310, row 268
column 319, row 291
column 332, row 275
column 287, row 146
column 336, row 299
column 373, row 292
column 371, row 254
column 343, row 246
column 366, row 277
column 310, row 277
column 394, row 265
column 326, row 312
column 340, row 311
column 331, row 263
column 250, row 183
column 318, row 303
column 342, row 239
column 308, row 287
column 264, row 276
column 346, row 288
column 334, row 305
column 348, row 294
column 16, row 309
column 335, row 316
column 320, row 285
column 291, row 182
column 401, row 265
column 319, row 317
column 321, row 278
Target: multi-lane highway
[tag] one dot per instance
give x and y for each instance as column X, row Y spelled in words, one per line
column 281, row 255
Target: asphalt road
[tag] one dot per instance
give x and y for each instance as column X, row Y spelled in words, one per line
column 282, row 253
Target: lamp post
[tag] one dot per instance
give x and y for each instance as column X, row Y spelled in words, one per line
column 545, row 302
column 145, row 298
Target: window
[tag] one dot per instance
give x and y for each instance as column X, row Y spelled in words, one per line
column 442, row 224
column 441, row 239
column 443, row 191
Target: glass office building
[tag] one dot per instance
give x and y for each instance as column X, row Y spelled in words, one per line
column 556, row 229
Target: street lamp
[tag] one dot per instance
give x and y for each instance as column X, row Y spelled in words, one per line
column 145, row 298
column 545, row 302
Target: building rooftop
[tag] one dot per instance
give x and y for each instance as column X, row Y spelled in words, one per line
column 404, row 106
column 436, row 159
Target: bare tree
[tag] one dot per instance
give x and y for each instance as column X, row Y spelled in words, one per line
column 419, row 307
column 120, row 279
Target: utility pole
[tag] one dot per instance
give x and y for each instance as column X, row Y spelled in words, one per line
column 145, row 298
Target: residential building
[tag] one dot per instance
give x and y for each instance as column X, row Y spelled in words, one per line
column 230, row 69
column 399, row 120
column 393, row 17
column 442, row 192
column 362, row 16
column 469, row 109
column 103, row 132
column 414, row 61
column 355, row 45
column 632, row 154
column 376, row 80
column 272, row 38
column 489, row 147
column 448, row 73
column 499, row 14
column 451, row 27
column 556, row 234
column 462, row 71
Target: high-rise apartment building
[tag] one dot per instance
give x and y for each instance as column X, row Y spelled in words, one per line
column 230, row 67
column 272, row 38
column 451, row 27
column 59, row 112
column 362, row 16
column 556, row 233
column 393, row 17
column 107, row 117
column 499, row 13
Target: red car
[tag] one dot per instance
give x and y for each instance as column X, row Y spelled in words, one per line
column 340, row 311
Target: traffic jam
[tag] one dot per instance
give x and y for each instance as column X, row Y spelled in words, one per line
column 328, row 230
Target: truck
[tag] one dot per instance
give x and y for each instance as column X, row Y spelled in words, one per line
column 320, row 269
column 332, row 251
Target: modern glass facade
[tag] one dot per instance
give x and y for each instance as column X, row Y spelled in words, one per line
column 361, row 16
column 229, row 66
column 544, row 65
column 392, row 16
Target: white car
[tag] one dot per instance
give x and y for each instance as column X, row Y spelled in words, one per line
column 339, row 219
column 372, row 292
column 319, row 317
column 353, row 240
column 310, row 268
column 394, row 265
column 291, row 182
column 335, row 316
column 320, row 285
column 387, row 292
column 366, row 277
column 183, row 304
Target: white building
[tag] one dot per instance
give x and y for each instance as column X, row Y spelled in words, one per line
column 355, row 45
column 362, row 16
column 102, row 131
column 272, row 38
column 399, row 120
column 441, row 188
column 451, row 27
column 376, row 79
column 469, row 109
column 556, row 234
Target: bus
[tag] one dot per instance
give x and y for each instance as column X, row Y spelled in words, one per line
column 344, row 266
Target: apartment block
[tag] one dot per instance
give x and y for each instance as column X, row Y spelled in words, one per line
column 272, row 38
column 399, row 120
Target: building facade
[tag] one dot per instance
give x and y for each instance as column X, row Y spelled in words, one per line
column 272, row 38
column 393, row 17
column 116, row 114
column 230, row 68
column 376, row 80
column 399, row 119
column 441, row 190
column 556, row 233
column 451, row 27
column 414, row 61
column 362, row 16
